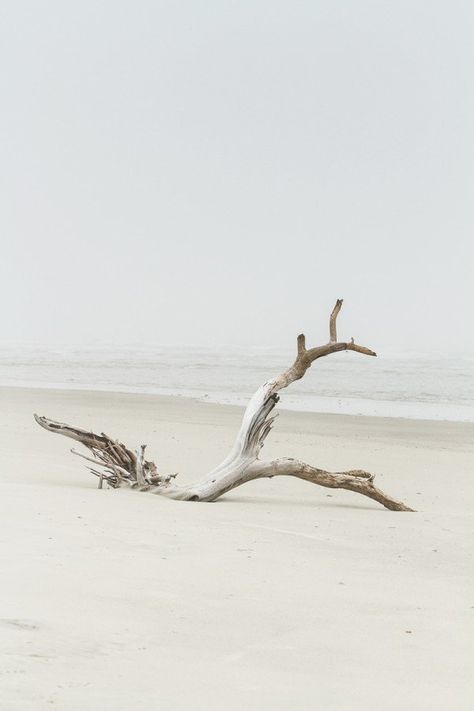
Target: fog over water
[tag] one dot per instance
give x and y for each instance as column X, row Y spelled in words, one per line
column 218, row 173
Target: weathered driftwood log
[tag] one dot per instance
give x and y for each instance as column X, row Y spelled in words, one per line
column 120, row 467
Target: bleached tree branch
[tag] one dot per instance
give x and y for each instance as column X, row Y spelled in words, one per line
column 121, row 467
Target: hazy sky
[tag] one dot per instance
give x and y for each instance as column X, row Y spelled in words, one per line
column 217, row 171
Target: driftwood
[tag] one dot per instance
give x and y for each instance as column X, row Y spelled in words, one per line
column 120, row 467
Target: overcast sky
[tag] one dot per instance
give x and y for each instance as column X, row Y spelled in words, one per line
column 216, row 171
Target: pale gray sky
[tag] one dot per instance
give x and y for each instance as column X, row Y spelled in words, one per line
column 222, row 171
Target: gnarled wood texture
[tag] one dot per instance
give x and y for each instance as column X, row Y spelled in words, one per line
column 120, row 467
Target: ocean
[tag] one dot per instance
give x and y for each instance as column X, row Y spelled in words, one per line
column 411, row 385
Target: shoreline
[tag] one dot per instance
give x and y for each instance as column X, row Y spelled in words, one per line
column 243, row 402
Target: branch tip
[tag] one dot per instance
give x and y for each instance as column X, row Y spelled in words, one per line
column 301, row 343
column 332, row 321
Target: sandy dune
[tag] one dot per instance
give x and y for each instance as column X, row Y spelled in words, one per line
column 281, row 596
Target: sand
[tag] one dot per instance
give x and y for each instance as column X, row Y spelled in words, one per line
column 280, row 596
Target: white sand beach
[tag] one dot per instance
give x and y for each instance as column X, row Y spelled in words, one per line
column 282, row 595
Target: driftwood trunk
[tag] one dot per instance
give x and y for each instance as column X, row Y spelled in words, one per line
column 120, row 467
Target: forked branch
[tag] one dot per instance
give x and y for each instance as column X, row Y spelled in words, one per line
column 306, row 357
column 120, row 467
